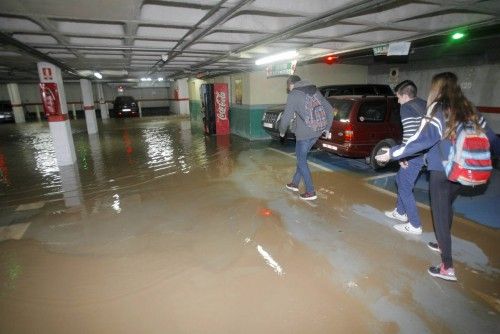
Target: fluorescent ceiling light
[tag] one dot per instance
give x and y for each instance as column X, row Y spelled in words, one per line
column 160, row 79
column 146, row 79
column 98, row 75
column 280, row 56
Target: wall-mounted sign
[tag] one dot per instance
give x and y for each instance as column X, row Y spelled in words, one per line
column 380, row 50
column 282, row 69
column 399, row 49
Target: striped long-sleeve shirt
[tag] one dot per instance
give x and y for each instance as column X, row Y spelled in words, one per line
column 411, row 116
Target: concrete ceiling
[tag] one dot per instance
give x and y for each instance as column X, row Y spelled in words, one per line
column 125, row 39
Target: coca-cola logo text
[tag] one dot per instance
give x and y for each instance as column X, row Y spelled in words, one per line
column 220, row 102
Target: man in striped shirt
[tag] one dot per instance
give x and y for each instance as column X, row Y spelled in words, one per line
column 413, row 109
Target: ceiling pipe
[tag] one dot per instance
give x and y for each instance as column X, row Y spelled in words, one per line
column 7, row 40
column 316, row 22
column 205, row 32
column 330, row 17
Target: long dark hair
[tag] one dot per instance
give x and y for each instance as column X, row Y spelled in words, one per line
column 446, row 91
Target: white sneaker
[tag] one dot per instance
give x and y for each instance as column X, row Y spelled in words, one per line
column 408, row 228
column 395, row 215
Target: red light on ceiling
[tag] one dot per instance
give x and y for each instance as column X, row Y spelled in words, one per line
column 330, row 59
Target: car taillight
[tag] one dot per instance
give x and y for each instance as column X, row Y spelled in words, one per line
column 348, row 133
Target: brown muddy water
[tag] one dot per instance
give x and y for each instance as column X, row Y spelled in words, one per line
column 159, row 229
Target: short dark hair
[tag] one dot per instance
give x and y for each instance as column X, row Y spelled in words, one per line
column 407, row 87
column 293, row 79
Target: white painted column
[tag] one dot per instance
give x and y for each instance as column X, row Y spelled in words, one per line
column 60, row 128
column 15, row 100
column 102, row 102
column 88, row 106
column 180, row 97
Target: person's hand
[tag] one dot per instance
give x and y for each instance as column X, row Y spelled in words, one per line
column 383, row 157
column 282, row 139
column 403, row 164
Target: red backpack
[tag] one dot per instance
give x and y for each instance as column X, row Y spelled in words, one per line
column 469, row 161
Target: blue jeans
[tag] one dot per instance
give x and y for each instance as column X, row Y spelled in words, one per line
column 405, row 179
column 302, row 147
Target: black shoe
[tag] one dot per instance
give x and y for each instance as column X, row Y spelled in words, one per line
column 308, row 196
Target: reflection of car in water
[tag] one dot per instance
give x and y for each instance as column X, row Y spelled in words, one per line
column 125, row 106
column 6, row 113
column 362, row 127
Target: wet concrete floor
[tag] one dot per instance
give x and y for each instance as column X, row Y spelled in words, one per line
column 159, row 229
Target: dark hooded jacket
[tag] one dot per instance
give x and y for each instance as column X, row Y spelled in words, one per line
column 296, row 104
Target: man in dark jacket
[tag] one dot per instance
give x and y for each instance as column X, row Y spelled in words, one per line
column 305, row 137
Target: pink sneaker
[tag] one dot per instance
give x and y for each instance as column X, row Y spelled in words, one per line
column 441, row 272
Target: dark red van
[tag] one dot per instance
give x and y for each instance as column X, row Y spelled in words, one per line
column 362, row 126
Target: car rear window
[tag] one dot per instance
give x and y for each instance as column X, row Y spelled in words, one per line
column 372, row 111
column 124, row 99
column 341, row 109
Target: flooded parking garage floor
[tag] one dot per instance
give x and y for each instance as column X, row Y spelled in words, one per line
column 159, row 229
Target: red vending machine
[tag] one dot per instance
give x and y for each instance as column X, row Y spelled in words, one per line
column 215, row 108
column 221, row 109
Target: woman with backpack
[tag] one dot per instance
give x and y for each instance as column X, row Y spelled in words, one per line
column 448, row 109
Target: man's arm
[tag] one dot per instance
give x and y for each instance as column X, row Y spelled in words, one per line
column 287, row 114
column 328, row 110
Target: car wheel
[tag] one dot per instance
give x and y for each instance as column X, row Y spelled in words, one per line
column 386, row 143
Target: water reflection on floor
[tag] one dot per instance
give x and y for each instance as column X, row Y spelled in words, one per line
column 158, row 229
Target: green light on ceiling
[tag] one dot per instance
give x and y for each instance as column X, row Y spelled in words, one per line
column 457, row 35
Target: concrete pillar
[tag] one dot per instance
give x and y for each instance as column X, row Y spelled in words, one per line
column 88, row 106
column 102, row 102
column 15, row 100
column 180, row 97
column 60, row 128
column 139, row 104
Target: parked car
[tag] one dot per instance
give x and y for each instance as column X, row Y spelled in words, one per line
column 125, row 106
column 362, row 127
column 6, row 113
column 271, row 118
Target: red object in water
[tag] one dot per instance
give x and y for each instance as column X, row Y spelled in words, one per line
column 265, row 212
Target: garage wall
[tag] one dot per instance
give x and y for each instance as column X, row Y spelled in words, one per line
column 260, row 92
column 265, row 90
column 480, row 81
column 322, row 74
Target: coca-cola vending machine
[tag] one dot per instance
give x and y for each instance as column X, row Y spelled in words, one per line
column 215, row 108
